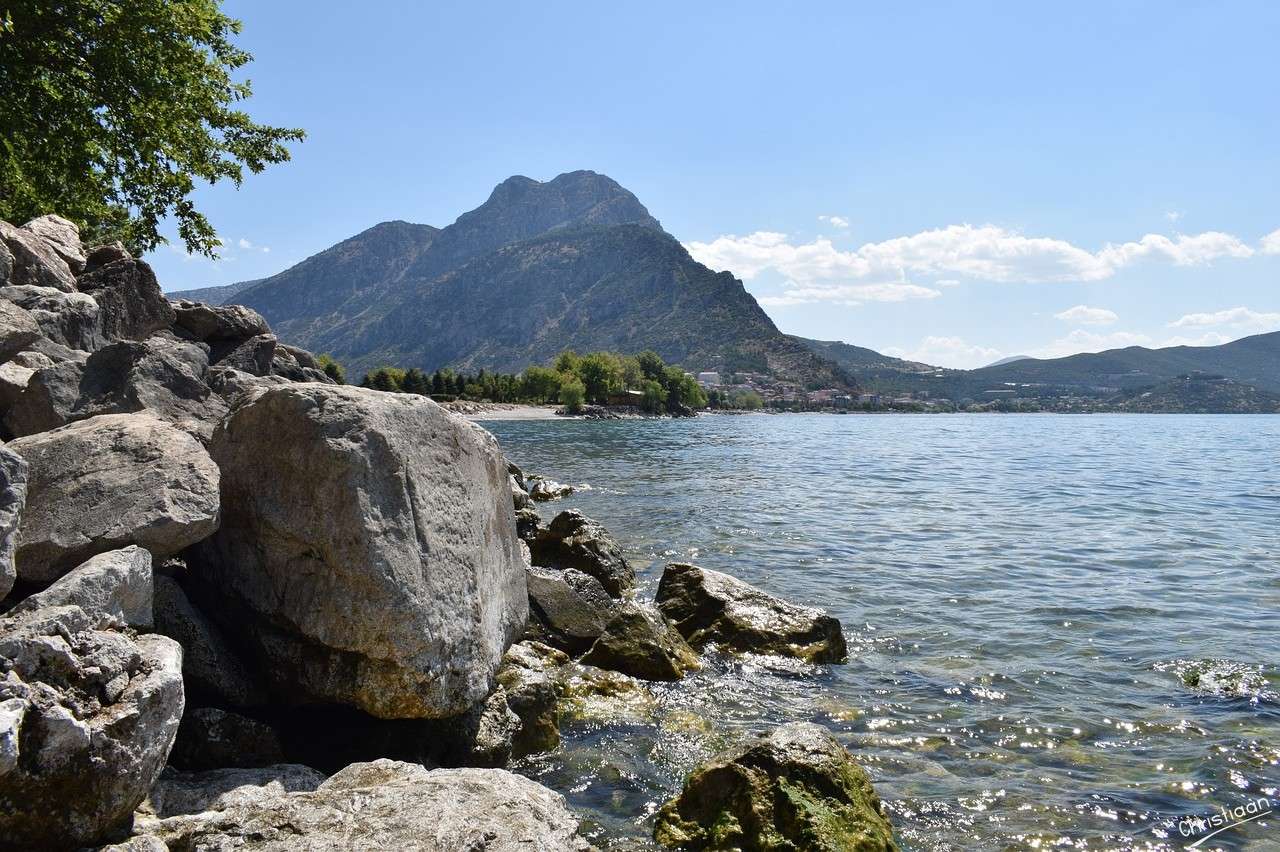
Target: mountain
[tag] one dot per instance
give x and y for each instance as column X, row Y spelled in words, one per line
column 858, row 357
column 219, row 295
column 574, row 262
column 1243, row 375
column 1008, row 360
column 1251, row 360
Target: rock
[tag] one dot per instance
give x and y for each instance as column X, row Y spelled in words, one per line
column 794, row 788
column 387, row 804
column 100, row 256
column 176, row 792
column 13, row 381
column 99, row 714
column 367, row 552
column 642, row 644
column 568, row 609
column 129, row 297
column 107, row 482
column 18, row 329
column 112, row 588
column 533, row 695
column 71, row 319
column 481, row 737
column 33, row 260
column 209, row 738
column 218, row 322
column 528, row 524
column 519, row 497
column 212, row 671
column 253, row 356
column 160, row 375
column 575, row 541
column 285, row 363
column 707, row 606
column 32, row 360
column 542, row 489
column 62, row 236
column 228, row 382
column 13, row 496
column 56, row 353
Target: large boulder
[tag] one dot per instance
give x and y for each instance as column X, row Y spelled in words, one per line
column 73, row 320
column 575, row 541
column 212, row 671
column 13, row 496
column 567, row 609
column 161, row 375
column 61, row 235
column 385, row 805
column 211, row 323
column 18, row 329
column 367, row 552
column 129, row 297
column 710, row 607
column 107, row 482
column 114, row 588
column 33, row 260
column 93, row 714
column 793, row 788
column 643, row 644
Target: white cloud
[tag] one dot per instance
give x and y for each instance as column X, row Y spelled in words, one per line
column 1173, row 215
column 987, row 252
column 1087, row 315
column 850, row 295
column 1271, row 242
column 947, row 352
column 948, row 282
column 1242, row 318
column 245, row 244
column 835, row 221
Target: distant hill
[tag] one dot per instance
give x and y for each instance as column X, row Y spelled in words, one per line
column 1009, row 360
column 1236, row 376
column 857, row 357
column 214, row 295
column 575, row 262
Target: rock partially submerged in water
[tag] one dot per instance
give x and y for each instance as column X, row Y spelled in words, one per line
column 643, row 644
column 794, row 788
column 386, row 804
column 567, row 608
column 575, row 541
column 543, row 489
column 710, row 607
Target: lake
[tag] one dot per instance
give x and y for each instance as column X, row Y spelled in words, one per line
column 1064, row 631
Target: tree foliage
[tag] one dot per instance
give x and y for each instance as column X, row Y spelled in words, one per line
column 112, row 110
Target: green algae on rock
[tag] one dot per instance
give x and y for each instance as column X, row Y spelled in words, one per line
column 794, row 788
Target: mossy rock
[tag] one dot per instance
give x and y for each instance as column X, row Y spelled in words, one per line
column 793, row 789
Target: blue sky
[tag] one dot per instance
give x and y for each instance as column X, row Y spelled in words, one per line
column 955, row 182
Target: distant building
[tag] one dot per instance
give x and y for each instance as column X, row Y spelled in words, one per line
column 709, row 379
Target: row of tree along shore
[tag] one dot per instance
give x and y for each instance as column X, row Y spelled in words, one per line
column 642, row 381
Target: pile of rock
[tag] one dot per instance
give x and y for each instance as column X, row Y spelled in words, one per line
column 223, row 574
column 202, row 537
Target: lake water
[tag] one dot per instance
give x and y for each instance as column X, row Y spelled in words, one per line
column 1064, row 631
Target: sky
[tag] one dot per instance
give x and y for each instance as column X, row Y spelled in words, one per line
column 950, row 182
